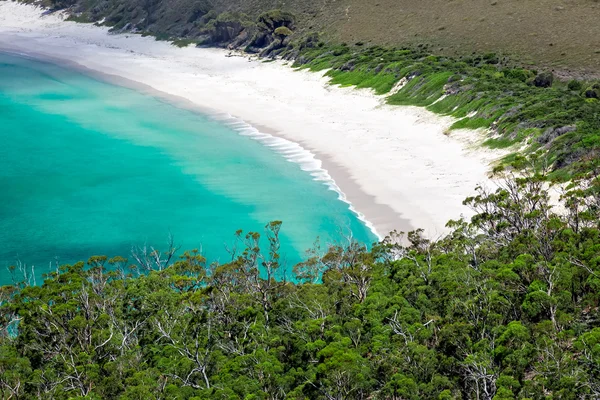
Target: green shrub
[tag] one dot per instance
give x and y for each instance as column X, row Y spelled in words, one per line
column 283, row 31
column 519, row 74
column 544, row 79
column 81, row 18
column 183, row 42
column 575, row 85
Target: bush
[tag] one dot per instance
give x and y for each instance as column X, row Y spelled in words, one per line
column 519, row 74
column 183, row 42
column 575, row 85
column 283, row 31
column 544, row 79
column 592, row 93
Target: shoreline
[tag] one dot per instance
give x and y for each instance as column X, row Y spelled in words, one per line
column 324, row 172
column 394, row 166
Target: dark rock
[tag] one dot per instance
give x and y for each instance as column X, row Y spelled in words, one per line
column 452, row 89
column 203, row 40
column 226, row 31
column 309, row 42
column 379, row 68
column 544, row 79
column 349, row 66
column 413, row 74
column 274, row 19
column 291, row 55
column 270, row 50
column 552, row 133
column 302, row 60
column 591, row 94
column 244, row 38
column 277, row 45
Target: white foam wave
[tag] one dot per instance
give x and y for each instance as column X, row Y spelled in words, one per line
column 295, row 153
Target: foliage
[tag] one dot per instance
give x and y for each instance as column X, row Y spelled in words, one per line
column 183, row 42
column 283, row 31
column 81, row 18
column 504, row 307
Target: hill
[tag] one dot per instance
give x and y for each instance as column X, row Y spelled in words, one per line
column 556, row 34
column 562, row 35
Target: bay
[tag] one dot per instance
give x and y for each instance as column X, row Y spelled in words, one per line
column 88, row 168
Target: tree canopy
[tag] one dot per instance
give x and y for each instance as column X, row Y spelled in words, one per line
column 504, row 307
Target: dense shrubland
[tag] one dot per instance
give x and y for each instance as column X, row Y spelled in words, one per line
column 504, row 307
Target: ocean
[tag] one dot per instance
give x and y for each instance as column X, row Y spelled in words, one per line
column 88, row 168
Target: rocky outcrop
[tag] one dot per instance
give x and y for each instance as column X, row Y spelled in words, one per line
column 268, row 35
column 202, row 21
column 226, row 32
column 552, row 133
column 274, row 30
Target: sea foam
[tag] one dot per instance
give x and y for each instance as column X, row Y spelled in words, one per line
column 293, row 152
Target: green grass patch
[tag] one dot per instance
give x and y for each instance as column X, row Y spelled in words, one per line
column 81, row 18
column 500, row 143
column 471, row 123
column 480, row 91
column 381, row 83
column 184, row 42
column 421, row 90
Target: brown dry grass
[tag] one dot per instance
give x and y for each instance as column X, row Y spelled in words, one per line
column 560, row 34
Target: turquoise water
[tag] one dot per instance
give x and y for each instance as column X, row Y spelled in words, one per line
column 92, row 168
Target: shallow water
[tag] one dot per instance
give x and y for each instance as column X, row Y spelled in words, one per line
column 87, row 167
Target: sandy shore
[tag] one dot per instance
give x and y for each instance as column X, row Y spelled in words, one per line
column 395, row 165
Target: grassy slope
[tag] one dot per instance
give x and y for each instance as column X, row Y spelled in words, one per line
column 561, row 34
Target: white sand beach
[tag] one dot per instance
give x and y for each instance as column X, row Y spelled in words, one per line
column 395, row 165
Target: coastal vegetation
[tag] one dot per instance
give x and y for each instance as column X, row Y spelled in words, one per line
column 556, row 123
column 504, row 307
